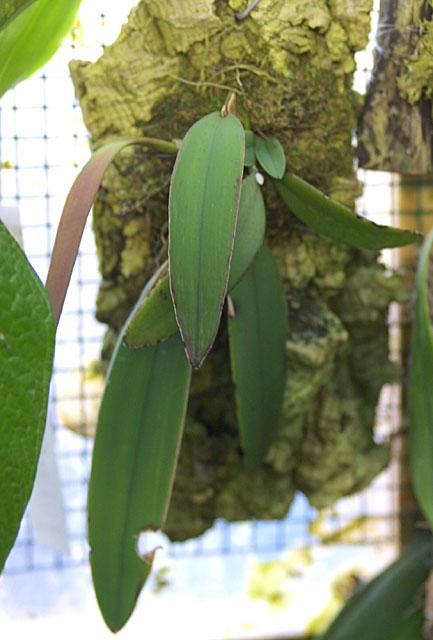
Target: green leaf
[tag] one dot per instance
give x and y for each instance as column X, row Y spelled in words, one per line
column 257, row 337
column 153, row 318
column 136, row 448
column 250, row 229
column 203, row 206
column 384, row 607
column 271, row 156
column 10, row 9
column 420, row 396
column 74, row 218
column 76, row 210
column 250, row 149
column 412, row 627
column 29, row 41
column 333, row 220
column 26, row 354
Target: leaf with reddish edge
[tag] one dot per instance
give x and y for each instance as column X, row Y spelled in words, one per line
column 203, row 207
column 153, row 318
column 75, row 213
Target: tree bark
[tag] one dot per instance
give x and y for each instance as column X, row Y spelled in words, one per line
column 395, row 132
column 290, row 64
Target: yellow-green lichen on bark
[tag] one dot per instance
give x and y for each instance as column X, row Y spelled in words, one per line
column 417, row 80
column 397, row 120
column 290, row 64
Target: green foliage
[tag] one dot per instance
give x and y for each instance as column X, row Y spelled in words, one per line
column 136, row 447
column 10, row 9
column 153, row 319
column 33, row 35
column 250, row 149
column 333, row 220
column 420, row 397
column 26, row 355
column 271, row 156
column 250, row 229
column 216, row 232
column 203, row 212
column 74, row 216
column 388, row 606
column 257, row 336
column 203, row 207
column 412, row 626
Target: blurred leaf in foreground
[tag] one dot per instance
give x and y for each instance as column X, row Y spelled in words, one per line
column 31, row 38
column 420, row 390
column 27, row 334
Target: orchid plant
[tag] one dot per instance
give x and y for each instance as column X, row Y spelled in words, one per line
column 218, row 259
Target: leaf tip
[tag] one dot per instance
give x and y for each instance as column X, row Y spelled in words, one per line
column 195, row 359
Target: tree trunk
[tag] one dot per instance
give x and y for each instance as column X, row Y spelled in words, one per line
column 290, row 63
column 396, row 125
column 395, row 134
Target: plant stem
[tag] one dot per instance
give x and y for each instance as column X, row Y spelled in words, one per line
column 161, row 145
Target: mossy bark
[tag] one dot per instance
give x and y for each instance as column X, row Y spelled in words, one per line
column 396, row 126
column 290, row 64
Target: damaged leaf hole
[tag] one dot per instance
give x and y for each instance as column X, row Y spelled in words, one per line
column 147, row 543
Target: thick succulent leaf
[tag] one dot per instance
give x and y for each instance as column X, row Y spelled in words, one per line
column 271, row 156
column 153, row 318
column 73, row 220
column 203, row 207
column 32, row 37
column 384, row 607
column 420, row 395
column 250, row 149
column 257, row 336
column 333, row 220
column 10, row 9
column 136, row 448
column 26, row 353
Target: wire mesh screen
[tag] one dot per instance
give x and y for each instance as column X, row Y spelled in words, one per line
column 247, row 570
